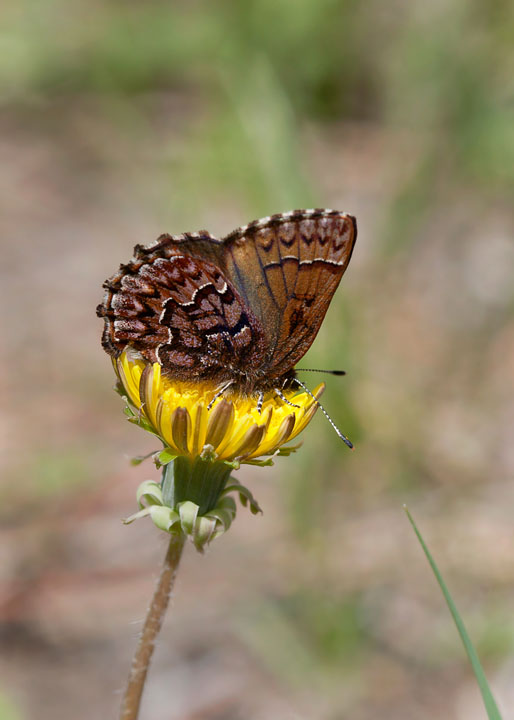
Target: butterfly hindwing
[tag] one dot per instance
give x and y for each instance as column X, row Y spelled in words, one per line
column 211, row 333
column 178, row 309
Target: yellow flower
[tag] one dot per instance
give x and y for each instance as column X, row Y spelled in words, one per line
column 232, row 429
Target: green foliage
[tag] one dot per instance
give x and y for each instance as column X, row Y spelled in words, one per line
column 8, row 711
column 308, row 636
column 56, row 470
column 262, row 69
column 332, row 626
column 490, row 705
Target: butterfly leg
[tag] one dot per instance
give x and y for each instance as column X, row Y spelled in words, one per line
column 220, row 392
column 260, row 401
column 283, row 398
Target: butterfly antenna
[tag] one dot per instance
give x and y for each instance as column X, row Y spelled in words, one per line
column 339, row 433
column 328, row 372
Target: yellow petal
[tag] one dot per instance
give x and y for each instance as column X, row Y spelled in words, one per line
column 178, row 412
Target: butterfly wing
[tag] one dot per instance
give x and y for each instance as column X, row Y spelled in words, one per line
column 177, row 308
column 244, row 309
column 287, row 268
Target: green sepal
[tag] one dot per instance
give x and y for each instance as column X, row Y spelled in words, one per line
column 202, row 529
column 118, row 388
column 149, row 493
column 260, row 463
column 142, row 422
column 225, row 512
column 135, row 516
column 214, row 523
column 194, row 479
column 286, row 450
column 141, row 458
column 205, row 531
column 127, row 410
column 283, row 451
column 245, row 496
column 186, row 516
column 164, row 518
column 164, row 457
column 136, row 417
column 188, row 512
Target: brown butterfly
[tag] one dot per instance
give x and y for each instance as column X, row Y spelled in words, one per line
column 238, row 312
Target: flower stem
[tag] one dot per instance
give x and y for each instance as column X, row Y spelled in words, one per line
column 151, row 628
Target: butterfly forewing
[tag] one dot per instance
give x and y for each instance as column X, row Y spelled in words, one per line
column 288, row 268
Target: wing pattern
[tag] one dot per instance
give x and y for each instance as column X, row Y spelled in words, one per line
column 288, row 267
column 244, row 309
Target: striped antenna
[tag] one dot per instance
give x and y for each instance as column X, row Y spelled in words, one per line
column 339, row 433
column 329, row 372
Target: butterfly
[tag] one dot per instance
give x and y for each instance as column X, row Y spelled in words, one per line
column 238, row 312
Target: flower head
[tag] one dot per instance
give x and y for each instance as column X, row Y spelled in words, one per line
column 205, row 437
column 231, row 428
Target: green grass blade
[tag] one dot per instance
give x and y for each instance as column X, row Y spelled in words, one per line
column 490, row 705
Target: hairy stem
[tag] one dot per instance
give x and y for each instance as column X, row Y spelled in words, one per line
column 151, row 628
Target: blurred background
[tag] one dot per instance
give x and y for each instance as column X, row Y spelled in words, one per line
column 123, row 120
